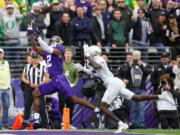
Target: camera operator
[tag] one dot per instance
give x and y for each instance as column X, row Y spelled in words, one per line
column 176, row 71
column 165, row 67
column 136, row 75
column 120, row 107
column 167, row 113
column 54, row 113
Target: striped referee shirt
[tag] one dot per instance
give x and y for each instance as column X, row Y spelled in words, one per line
column 35, row 75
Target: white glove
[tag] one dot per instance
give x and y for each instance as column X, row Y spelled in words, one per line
column 72, row 85
column 78, row 66
column 86, row 50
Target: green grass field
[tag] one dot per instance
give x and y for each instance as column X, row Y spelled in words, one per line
column 156, row 131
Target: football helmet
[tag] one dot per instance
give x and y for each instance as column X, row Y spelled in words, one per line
column 57, row 39
column 95, row 51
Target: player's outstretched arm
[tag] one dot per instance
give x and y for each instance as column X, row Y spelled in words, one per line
column 33, row 42
column 93, row 63
column 48, row 48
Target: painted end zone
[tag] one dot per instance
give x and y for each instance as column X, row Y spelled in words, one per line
column 60, row 132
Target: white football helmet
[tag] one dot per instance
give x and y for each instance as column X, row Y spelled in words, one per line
column 57, row 39
column 95, row 51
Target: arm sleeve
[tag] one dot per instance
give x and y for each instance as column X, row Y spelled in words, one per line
column 87, row 71
column 44, row 45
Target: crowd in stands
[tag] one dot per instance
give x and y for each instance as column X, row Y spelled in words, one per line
column 105, row 23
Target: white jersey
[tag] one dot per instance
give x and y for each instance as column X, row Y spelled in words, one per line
column 104, row 73
column 115, row 86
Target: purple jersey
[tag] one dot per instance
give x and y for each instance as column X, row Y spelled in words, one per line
column 54, row 63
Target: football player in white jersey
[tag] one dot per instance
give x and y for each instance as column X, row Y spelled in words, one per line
column 114, row 86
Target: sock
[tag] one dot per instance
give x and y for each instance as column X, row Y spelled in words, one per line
column 36, row 115
column 120, row 122
column 160, row 97
column 96, row 109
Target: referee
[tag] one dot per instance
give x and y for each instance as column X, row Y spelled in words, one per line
column 33, row 75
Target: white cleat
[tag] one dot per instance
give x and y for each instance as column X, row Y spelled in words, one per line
column 121, row 127
column 166, row 97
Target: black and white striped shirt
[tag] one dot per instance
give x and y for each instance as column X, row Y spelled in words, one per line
column 35, row 75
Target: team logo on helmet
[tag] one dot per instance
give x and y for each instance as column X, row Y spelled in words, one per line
column 95, row 51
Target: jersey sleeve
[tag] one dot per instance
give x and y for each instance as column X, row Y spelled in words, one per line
column 100, row 61
column 61, row 48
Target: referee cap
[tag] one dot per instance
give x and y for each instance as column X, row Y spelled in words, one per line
column 35, row 55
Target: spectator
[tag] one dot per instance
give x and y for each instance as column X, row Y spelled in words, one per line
column 117, row 31
column 110, row 5
column 170, row 8
column 155, row 11
column 177, row 15
column 1, row 35
column 124, row 67
column 126, row 14
column 55, row 16
column 83, row 30
column 86, row 5
column 137, row 74
column 65, row 29
column 5, row 82
column 99, row 33
column 140, row 5
column 24, row 8
column 162, row 4
column 165, row 67
column 173, row 37
column 106, row 14
column 55, row 116
column 4, row 3
column 36, row 19
column 11, row 24
column 158, row 37
column 141, row 32
column 69, row 7
column 72, row 75
column 167, row 112
column 33, row 75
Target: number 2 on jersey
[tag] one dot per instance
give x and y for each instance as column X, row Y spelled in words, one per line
column 49, row 64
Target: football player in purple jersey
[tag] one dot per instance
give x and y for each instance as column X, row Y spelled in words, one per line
column 54, row 56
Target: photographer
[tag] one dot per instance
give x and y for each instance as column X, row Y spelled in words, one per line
column 167, row 112
column 165, row 67
column 176, row 71
column 54, row 113
column 137, row 73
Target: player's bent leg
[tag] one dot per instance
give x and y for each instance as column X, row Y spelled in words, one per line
column 36, row 99
column 144, row 97
column 104, row 108
column 82, row 101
